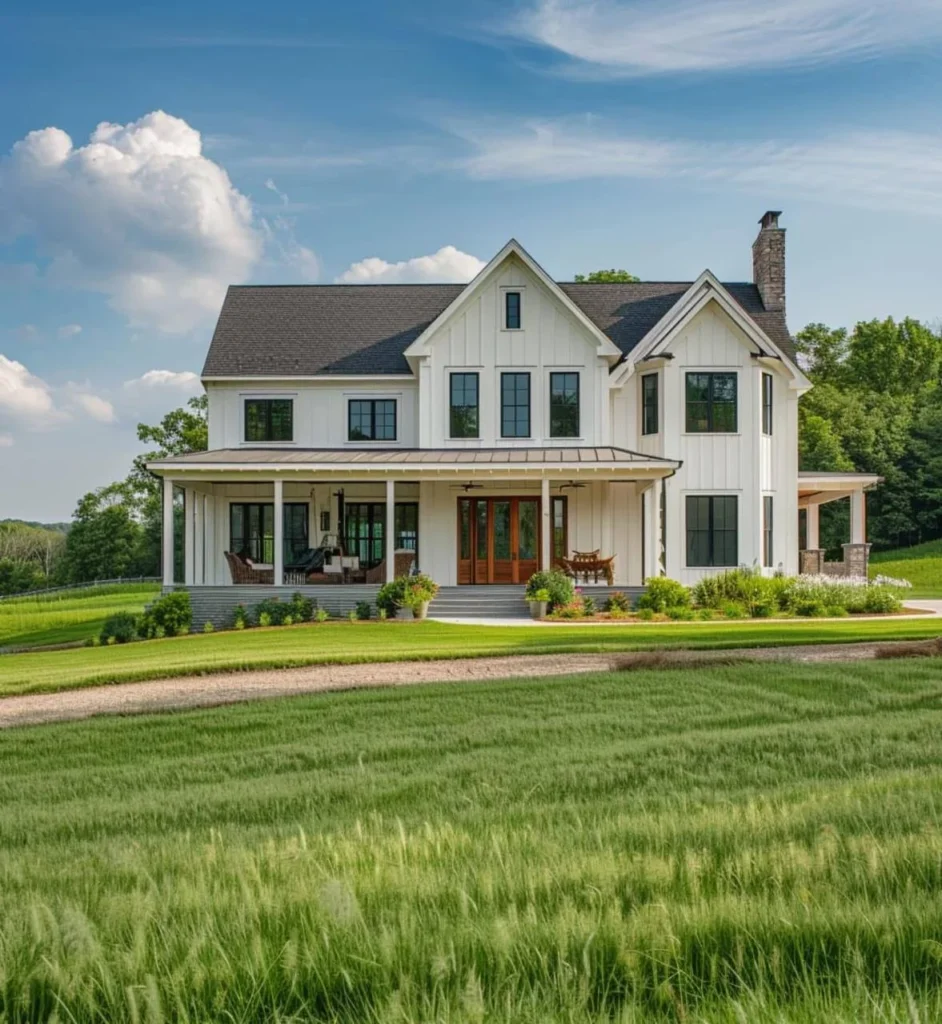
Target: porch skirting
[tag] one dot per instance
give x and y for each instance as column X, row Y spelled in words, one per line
column 217, row 604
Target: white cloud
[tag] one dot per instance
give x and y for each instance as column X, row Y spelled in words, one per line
column 6, row 440
column 272, row 187
column 184, row 380
column 139, row 214
column 616, row 37
column 24, row 398
column 447, row 265
column 880, row 170
column 94, row 406
column 69, row 330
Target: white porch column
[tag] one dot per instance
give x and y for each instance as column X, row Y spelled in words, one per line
column 189, row 535
column 858, row 517
column 654, row 532
column 278, row 486
column 209, row 538
column 168, row 533
column 546, row 537
column 812, row 534
column 390, row 530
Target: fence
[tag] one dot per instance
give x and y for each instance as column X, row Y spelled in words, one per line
column 81, row 586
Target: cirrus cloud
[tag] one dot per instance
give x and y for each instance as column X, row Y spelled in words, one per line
column 448, row 265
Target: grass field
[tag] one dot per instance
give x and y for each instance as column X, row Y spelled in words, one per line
column 735, row 845
column 921, row 565
column 346, row 643
column 69, row 615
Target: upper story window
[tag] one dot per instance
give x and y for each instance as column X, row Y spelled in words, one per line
column 712, row 530
column 767, row 403
column 564, row 405
column 463, row 405
column 649, row 404
column 269, row 419
column 515, row 405
column 372, row 419
column 711, row 403
column 512, row 311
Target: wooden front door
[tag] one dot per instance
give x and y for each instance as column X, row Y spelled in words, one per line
column 498, row 539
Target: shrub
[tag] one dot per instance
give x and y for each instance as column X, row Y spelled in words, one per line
column 93, row 641
column 171, row 614
column 662, row 593
column 120, row 628
column 390, row 596
column 542, row 596
column 208, row 627
column 835, row 611
column 557, row 584
column 810, row 608
column 406, row 592
column 364, row 610
column 240, row 617
column 880, row 601
column 382, row 614
column 588, row 605
column 287, row 621
column 759, row 595
column 706, row 614
column 321, row 615
column 618, row 601
column 645, row 614
column 734, row 610
column 273, row 610
column 352, row 615
column 684, row 612
column 264, row 619
column 302, row 608
column 571, row 610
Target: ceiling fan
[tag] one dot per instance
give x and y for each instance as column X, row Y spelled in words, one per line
column 466, row 487
column 571, row 486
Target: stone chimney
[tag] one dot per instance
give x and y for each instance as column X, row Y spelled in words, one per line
column 768, row 261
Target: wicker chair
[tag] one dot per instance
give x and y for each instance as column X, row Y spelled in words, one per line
column 402, row 561
column 243, row 573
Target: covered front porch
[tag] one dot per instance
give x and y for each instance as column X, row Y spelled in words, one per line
column 817, row 489
column 464, row 518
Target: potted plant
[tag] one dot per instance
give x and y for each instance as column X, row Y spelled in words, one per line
column 419, row 591
column 539, row 602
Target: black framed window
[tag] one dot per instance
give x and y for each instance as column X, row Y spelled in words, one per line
column 463, row 407
column 712, row 530
column 649, row 404
column 515, row 405
column 560, row 517
column 512, row 318
column 252, row 530
column 364, row 530
column 564, row 405
column 767, row 403
column 371, row 419
column 269, row 419
column 768, row 551
column 711, row 403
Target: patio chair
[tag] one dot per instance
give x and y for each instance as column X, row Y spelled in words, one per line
column 402, row 562
column 243, row 572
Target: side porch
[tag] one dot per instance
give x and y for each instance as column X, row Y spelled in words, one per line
column 816, row 489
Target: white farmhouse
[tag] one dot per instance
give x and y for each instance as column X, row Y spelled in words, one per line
column 484, row 431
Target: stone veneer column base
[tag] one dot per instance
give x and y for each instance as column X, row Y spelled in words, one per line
column 811, row 561
column 856, row 559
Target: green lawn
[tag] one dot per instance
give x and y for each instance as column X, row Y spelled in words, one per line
column 921, row 565
column 69, row 615
column 731, row 845
column 344, row 642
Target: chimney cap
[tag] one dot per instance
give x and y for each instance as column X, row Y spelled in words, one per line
column 770, row 218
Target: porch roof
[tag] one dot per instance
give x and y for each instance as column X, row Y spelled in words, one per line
column 815, row 488
column 418, row 461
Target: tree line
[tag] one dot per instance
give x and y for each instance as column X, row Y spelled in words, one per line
column 876, row 407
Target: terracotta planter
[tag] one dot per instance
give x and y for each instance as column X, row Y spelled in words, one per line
column 538, row 609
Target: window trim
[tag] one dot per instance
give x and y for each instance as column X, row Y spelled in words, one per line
column 549, row 405
column 768, row 531
column 711, row 373
column 768, row 407
column 246, row 398
column 529, row 376
column 657, row 404
column 451, row 376
column 373, row 399
column 711, row 531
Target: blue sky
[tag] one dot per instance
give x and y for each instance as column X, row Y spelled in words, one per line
column 408, row 141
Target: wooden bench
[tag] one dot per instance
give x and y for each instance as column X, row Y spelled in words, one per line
column 585, row 564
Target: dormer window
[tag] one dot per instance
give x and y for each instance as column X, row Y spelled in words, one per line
column 512, row 311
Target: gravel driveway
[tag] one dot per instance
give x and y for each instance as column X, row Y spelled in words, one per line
column 235, row 687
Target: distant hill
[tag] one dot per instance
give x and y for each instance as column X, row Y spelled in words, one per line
column 54, row 527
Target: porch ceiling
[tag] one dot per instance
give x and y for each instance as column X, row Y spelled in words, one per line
column 821, row 488
column 417, row 463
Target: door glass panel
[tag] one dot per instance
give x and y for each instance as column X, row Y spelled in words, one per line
column 481, row 513
column 464, row 528
column 526, row 523
column 501, row 512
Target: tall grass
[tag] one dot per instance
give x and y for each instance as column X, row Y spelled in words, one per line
column 734, row 846
column 67, row 616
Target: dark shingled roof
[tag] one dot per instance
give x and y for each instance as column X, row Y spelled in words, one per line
column 307, row 330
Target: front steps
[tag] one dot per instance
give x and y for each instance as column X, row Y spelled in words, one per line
column 505, row 602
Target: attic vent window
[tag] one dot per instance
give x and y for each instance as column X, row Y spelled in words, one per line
column 512, row 311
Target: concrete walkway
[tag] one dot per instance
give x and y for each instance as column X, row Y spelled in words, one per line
column 236, row 687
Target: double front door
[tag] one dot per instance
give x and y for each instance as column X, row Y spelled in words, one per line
column 498, row 539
